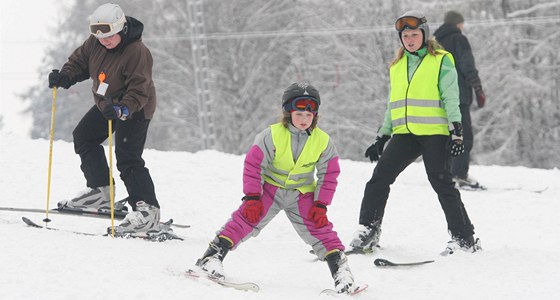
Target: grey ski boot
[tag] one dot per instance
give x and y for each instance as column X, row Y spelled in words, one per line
column 92, row 199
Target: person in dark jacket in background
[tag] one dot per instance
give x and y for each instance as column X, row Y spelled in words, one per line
column 120, row 66
column 450, row 36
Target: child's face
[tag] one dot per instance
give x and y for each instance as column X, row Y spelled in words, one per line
column 302, row 119
column 412, row 39
column 110, row 42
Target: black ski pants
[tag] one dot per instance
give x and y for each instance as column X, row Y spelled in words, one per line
column 401, row 151
column 130, row 137
column 460, row 164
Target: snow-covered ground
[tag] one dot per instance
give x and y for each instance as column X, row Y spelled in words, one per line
column 517, row 225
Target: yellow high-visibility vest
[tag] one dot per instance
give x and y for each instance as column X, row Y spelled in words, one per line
column 286, row 173
column 416, row 106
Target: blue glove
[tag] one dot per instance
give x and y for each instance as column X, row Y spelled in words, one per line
column 456, row 146
column 122, row 112
column 113, row 112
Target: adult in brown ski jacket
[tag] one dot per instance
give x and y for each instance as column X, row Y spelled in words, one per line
column 120, row 67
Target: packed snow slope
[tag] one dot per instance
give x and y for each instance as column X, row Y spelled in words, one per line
column 517, row 220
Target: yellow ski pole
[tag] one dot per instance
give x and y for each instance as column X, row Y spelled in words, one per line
column 111, row 184
column 51, row 138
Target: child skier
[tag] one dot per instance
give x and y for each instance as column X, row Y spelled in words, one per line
column 278, row 175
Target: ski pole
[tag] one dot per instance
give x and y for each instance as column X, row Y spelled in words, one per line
column 111, row 184
column 51, row 138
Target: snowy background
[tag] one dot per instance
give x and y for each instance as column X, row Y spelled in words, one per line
column 24, row 27
column 336, row 45
column 516, row 219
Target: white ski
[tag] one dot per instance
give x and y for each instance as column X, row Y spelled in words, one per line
column 360, row 288
column 242, row 286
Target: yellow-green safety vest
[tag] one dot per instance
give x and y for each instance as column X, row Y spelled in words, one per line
column 416, row 106
column 286, row 173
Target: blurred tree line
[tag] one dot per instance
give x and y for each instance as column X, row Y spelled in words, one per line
column 256, row 48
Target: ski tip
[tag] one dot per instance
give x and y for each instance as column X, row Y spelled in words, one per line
column 192, row 273
column 381, row 262
column 361, row 287
column 256, row 288
column 30, row 223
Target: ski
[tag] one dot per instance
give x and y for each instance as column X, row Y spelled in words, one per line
column 69, row 211
column 530, row 190
column 330, row 292
column 480, row 188
column 472, row 188
column 81, row 213
column 33, row 224
column 361, row 251
column 242, row 286
column 352, row 251
column 155, row 237
column 118, row 214
column 381, row 262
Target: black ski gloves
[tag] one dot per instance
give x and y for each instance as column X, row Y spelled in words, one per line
column 456, row 146
column 57, row 79
column 376, row 149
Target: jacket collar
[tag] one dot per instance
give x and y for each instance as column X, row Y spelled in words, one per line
column 295, row 131
column 418, row 54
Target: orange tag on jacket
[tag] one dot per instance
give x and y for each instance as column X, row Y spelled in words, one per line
column 102, row 88
column 101, row 76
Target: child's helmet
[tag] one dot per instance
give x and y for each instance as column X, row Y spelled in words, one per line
column 107, row 20
column 413, row 19
column 297, row 90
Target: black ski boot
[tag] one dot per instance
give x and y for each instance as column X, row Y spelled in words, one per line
column 211, row 260
column 340, row 271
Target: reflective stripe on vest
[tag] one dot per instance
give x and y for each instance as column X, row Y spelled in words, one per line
column 416, row 106
column 286, row 173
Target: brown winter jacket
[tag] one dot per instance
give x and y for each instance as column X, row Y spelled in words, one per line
column 128, row 70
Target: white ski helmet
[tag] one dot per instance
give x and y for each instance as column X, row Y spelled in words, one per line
column 413, row 19
column 106, row 20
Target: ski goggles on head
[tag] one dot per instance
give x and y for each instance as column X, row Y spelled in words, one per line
column 409, row 23
column 100, row 28
column 305, row 103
